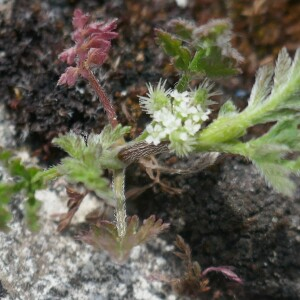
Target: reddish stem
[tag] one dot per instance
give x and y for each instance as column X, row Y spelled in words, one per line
column 111, row 114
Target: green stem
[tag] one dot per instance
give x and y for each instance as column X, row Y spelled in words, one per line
column 118, row 175
column 222, row 135
column 118, row 188
column 222, row 131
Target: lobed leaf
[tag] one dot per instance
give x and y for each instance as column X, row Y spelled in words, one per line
column 228, row 109
column 173, row 47
column 88, row 173
column 262, row 86
column 88, row 158
column 274, row 97
column 104, row 235
column 200, row 51
column 182, row 28
column 71, row 143
column 109, row 136
column 212, row 63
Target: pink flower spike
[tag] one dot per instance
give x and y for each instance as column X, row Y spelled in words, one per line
column 95, row 26
column 69, row 77
column 102, row 26
column 68, row 55
column 92, row 43
column 105, row 35
column 100, row 44
column 96, row 56
column 112, row 25
column 226, row 271
column 80, row 19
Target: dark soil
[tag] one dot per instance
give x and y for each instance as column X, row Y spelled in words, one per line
column 227, row 214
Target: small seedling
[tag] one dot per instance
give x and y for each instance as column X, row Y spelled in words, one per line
column 21, row 180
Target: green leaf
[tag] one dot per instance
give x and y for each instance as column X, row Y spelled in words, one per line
column 183, row 83
column 183, row 28
column 270, row 153
column 212, row 63
column 109, row 136
column 195, row 64
column 273, row 100
column 73, row 144
column 276, row 176
column 46, row 175
column 89, row 159
column 5, row 155
column 228, row 109
column 173, row 47
column 217, row 31
column 5, row 217
column 80, row 171
column 275, row 97
column 16, row 168
column 23, row 182
column 169, row 43
column 32, row 207
column 262, row 87
column 7, row 190
column 200, row 51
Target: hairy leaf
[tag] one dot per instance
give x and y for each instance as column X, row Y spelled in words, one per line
column 182, row 28
column 72, row 143
column 109, row 136
column 200, row 51
column 173, row 47
column 104, row 235
column 88, row 173
column 212, row 63
column 89, row 157
column 275, row 97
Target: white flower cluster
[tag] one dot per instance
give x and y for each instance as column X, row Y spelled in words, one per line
column 177, row 117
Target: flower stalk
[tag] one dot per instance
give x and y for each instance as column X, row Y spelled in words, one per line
column 110, row 111
column 92, row 43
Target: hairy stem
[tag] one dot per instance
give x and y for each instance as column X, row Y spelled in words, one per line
column 118, row 175
column 111, row 114
column 118, row 188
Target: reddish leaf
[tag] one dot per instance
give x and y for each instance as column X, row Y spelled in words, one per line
column 226, row 271
column 104, row 235
column 74, row 202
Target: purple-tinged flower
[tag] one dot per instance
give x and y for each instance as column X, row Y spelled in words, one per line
column 96, row 57
column 69, row 77
column 68, row 55
column 80, row 19
column 92, row 43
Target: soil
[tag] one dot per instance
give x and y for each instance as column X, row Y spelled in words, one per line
column 227, row 213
